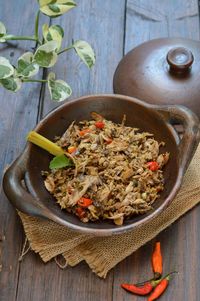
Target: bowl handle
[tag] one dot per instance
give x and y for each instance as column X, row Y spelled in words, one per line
column 14, row 189
column 190, row 137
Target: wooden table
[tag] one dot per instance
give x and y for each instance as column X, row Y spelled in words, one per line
column 113, row 28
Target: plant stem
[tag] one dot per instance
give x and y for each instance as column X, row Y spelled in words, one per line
column 36, row 25
column 35, row 80
column 20, row 38
column 65, row 49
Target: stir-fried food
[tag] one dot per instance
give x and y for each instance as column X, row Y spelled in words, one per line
column 116, row 171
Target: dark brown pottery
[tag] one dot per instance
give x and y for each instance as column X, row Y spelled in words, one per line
column 162, row 71
column 156, row 119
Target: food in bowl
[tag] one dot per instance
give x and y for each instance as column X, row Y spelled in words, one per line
column 115, row 171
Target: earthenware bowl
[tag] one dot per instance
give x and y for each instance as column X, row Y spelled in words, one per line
column 159, row 120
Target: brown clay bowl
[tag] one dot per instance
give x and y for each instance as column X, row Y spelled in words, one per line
column 159, row 120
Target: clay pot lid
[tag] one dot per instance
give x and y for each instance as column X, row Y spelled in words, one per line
column 162, row 71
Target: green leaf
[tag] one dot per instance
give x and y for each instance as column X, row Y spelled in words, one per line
column 26, row 66
column 59, row 29
column 45, row 55
column 2, row 28
column 11, row 83
column 60, row 162
column 55, row 8
column 85, row 52
column 59, row 90
column 6, row 69
column 44, row 2
column 45, row 30
column 53, row 33
column 2, row 32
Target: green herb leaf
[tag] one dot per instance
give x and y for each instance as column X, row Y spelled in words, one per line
column 59, row 90
column 85, row 52
column 6, row 69
column 60, row 162
column 45, row 55
column 2, row 32
column 11, row 83
column 53, row 33
column 55, row 8
column 26, row 66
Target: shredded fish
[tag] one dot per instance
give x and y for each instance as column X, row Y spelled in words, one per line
column 111, row 169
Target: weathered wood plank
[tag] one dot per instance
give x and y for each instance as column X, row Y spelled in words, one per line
column 17, row 115
column 180, row 243
column 48, row 282
column 102, row 26
column 154, row 19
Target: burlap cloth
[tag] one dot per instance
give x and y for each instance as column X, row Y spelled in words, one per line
column 103, row 253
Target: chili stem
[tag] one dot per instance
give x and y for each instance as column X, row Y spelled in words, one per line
column 174, row 272
column 143, row 282
column 65, row 49
column 152, row 279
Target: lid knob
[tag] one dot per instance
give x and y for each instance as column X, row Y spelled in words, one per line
column 180, row 59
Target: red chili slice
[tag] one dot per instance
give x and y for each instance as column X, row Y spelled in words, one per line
column 71, row 149
column 80, row 212
column 153, row 165
column 84, row 202
column 85, row 131
column 99, row 124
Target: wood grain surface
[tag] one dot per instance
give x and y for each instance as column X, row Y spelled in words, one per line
column 18, row 114
column 113, row 28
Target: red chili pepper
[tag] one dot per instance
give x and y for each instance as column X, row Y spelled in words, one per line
column 160, row 288
column 84, row 202
column 80, row 212
column 83, row 132
column 71, row 149
column 143, row 290
column 99, row 124
column 153, row 165
column 157, row 262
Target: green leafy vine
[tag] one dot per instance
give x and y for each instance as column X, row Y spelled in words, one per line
column 49, row 47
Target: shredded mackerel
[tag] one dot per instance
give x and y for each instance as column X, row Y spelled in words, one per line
column 111, row 168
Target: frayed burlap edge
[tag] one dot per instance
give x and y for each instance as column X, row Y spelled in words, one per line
column 94, row 250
